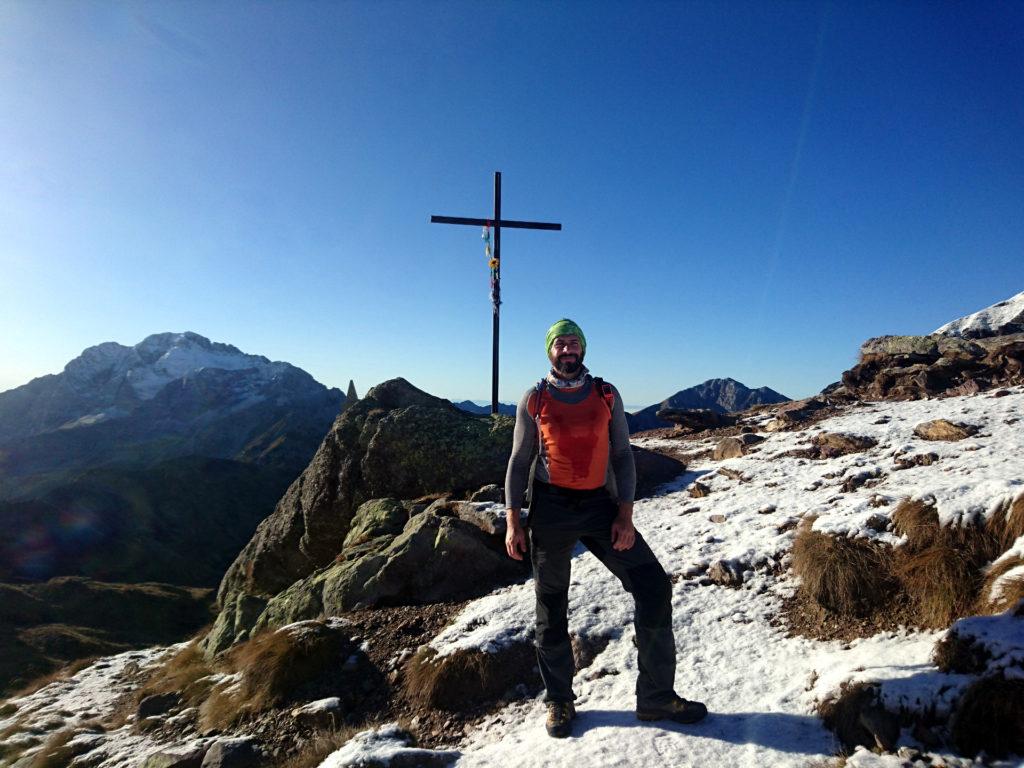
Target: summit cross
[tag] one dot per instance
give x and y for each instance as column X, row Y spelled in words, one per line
column 497, row 223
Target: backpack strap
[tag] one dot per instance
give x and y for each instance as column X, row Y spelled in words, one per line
column 607, row 393
column 539, row 389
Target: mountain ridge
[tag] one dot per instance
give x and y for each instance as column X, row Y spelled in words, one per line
column 719, row 395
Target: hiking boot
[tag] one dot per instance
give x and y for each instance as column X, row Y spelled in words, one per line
column 678, row 710
column 560, row 715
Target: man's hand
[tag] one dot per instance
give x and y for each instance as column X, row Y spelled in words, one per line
column 515, row 536
column 623, row 532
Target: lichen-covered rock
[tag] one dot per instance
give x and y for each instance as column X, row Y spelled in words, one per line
column 396, row 442
column 379, row 517
column 437, row 557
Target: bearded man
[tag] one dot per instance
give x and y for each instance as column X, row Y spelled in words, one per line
column 581, row 489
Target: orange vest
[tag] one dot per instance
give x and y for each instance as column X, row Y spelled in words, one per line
column 574, row 439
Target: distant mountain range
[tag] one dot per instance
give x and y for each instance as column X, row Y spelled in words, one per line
column 470, row 407
column 719, row 395
column 154, row 461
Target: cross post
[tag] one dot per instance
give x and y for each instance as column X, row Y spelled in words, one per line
column 497, row 223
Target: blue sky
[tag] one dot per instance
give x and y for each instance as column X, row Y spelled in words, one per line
column 746, row 189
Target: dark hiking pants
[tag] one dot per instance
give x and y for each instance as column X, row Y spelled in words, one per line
column 558, row 519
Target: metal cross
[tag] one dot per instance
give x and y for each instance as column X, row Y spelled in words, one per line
column 497, row 222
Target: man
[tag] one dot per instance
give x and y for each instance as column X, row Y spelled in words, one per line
column 583, row 482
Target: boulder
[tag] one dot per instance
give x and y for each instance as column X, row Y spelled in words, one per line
column 490, row 492
column 941, row 429
column 832, row 444
column 796, row 412
column 699, row 490
column 654, row 469
column 232, row 753
column 322, row 713
column 907, row 347
column 729, row 448
column 732, row 448
column 396, row 442
column 157, row 704
column 727, row 573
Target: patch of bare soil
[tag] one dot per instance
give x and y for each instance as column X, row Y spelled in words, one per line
column 801, row 616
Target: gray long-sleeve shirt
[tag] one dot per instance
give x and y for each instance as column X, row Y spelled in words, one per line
column 620, row 479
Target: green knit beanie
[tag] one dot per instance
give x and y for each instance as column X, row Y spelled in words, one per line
column 564, row 327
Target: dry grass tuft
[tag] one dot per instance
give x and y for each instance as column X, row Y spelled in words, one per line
column 319, row 746
column 467, row 679
column 942, row 581
column 999, row 594
column 940, row 567
column 850, row 577
column 988, row 718
column 918, row 521
column 55, row 752
column 274, row 666
column 182, row 674
column 842, row 715
column 960, row 654
column 1008, row 524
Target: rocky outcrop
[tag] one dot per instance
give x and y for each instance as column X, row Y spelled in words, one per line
column 696, row 419
column 913, row 367
column 438, row 556
column 396, row 442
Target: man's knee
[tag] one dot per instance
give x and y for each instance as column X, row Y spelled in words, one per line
column 552, row 617
column 652, row 591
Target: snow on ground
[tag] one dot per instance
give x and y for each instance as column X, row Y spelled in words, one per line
column 988, row 319
column 760, row 686
column 73, row 703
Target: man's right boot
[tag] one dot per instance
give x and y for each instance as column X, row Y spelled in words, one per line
column 560, row 716
column 678, row 710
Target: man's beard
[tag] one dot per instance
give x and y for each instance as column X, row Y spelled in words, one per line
column 568, row 368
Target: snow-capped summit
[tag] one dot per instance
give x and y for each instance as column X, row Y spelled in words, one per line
column 168, row 383
column 160, row 359
column 1004, row 317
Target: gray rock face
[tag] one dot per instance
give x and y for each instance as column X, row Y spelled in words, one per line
column 717, row 395
column 396, row 442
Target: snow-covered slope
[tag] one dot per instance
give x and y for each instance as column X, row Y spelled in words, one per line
column 989, row 321
column 761, row 686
